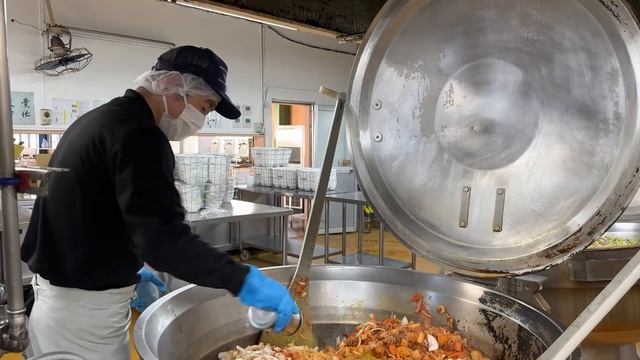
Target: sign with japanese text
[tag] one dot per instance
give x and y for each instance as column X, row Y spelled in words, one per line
column 22, row 108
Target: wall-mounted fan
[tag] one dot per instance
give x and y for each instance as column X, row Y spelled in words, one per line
column 63, row 59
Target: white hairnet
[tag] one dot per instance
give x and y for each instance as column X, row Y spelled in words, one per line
column 173, row 82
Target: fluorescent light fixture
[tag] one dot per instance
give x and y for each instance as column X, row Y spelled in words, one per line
column 228, row 13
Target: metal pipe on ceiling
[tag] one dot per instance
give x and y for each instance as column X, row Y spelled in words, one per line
column 90, row 33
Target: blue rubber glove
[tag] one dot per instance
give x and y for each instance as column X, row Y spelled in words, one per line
column 264, row 293
column 147, row 290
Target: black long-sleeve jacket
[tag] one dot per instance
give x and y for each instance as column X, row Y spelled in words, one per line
column 118, row 207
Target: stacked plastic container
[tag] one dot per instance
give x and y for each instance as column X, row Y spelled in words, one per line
column 204, row 181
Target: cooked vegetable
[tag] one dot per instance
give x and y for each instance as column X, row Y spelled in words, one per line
column 300, row 289
column 391, row 338
column 612, row 242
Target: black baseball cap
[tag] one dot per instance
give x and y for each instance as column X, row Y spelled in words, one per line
column 205, row 64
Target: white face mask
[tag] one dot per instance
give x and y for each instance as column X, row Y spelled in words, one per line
column 188, row 123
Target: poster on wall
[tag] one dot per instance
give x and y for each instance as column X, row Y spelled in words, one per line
column 22, row 111
column 66, row 111
column 243, row 125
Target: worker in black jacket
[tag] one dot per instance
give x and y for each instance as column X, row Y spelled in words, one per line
column 118, row 208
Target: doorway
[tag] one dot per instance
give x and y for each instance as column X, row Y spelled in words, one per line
column 292, row 128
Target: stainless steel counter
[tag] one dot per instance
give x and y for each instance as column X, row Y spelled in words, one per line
column 237, row 211
column 275, row 196
column 239, row 224
column 300, row 200
column 227, row 228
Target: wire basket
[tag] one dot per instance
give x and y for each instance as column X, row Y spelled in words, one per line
column 198, row 169
column 285, row 177
column 214, row 195
column 308, row 179
column 219, row 168
column 283, row 156
column 192, row 169
column 191, row 196
column 271, row 157
column 278, row 178
column 263, row 176
column 230, row 190
column 303, row 178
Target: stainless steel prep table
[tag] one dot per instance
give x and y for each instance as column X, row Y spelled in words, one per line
column 359, row 258
column 237, row 212
column 293, row 247
column 281, row 197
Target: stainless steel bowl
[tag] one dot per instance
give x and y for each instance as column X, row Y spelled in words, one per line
column 196, row 322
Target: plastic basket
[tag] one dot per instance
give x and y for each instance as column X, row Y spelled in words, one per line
column 191, row 196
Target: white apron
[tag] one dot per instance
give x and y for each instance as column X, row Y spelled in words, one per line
column 93, row 324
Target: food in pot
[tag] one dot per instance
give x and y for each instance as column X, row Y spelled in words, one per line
column 391, row 338
column 613, row 242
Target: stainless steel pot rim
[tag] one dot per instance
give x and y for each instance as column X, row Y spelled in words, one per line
column 153, row 327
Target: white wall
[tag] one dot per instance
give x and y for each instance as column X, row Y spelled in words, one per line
column 291, row 71
column 295, row 72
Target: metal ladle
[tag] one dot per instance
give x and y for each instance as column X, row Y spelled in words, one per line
column 304, row 334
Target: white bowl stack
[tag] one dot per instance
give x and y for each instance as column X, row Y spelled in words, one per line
column 203, row 180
